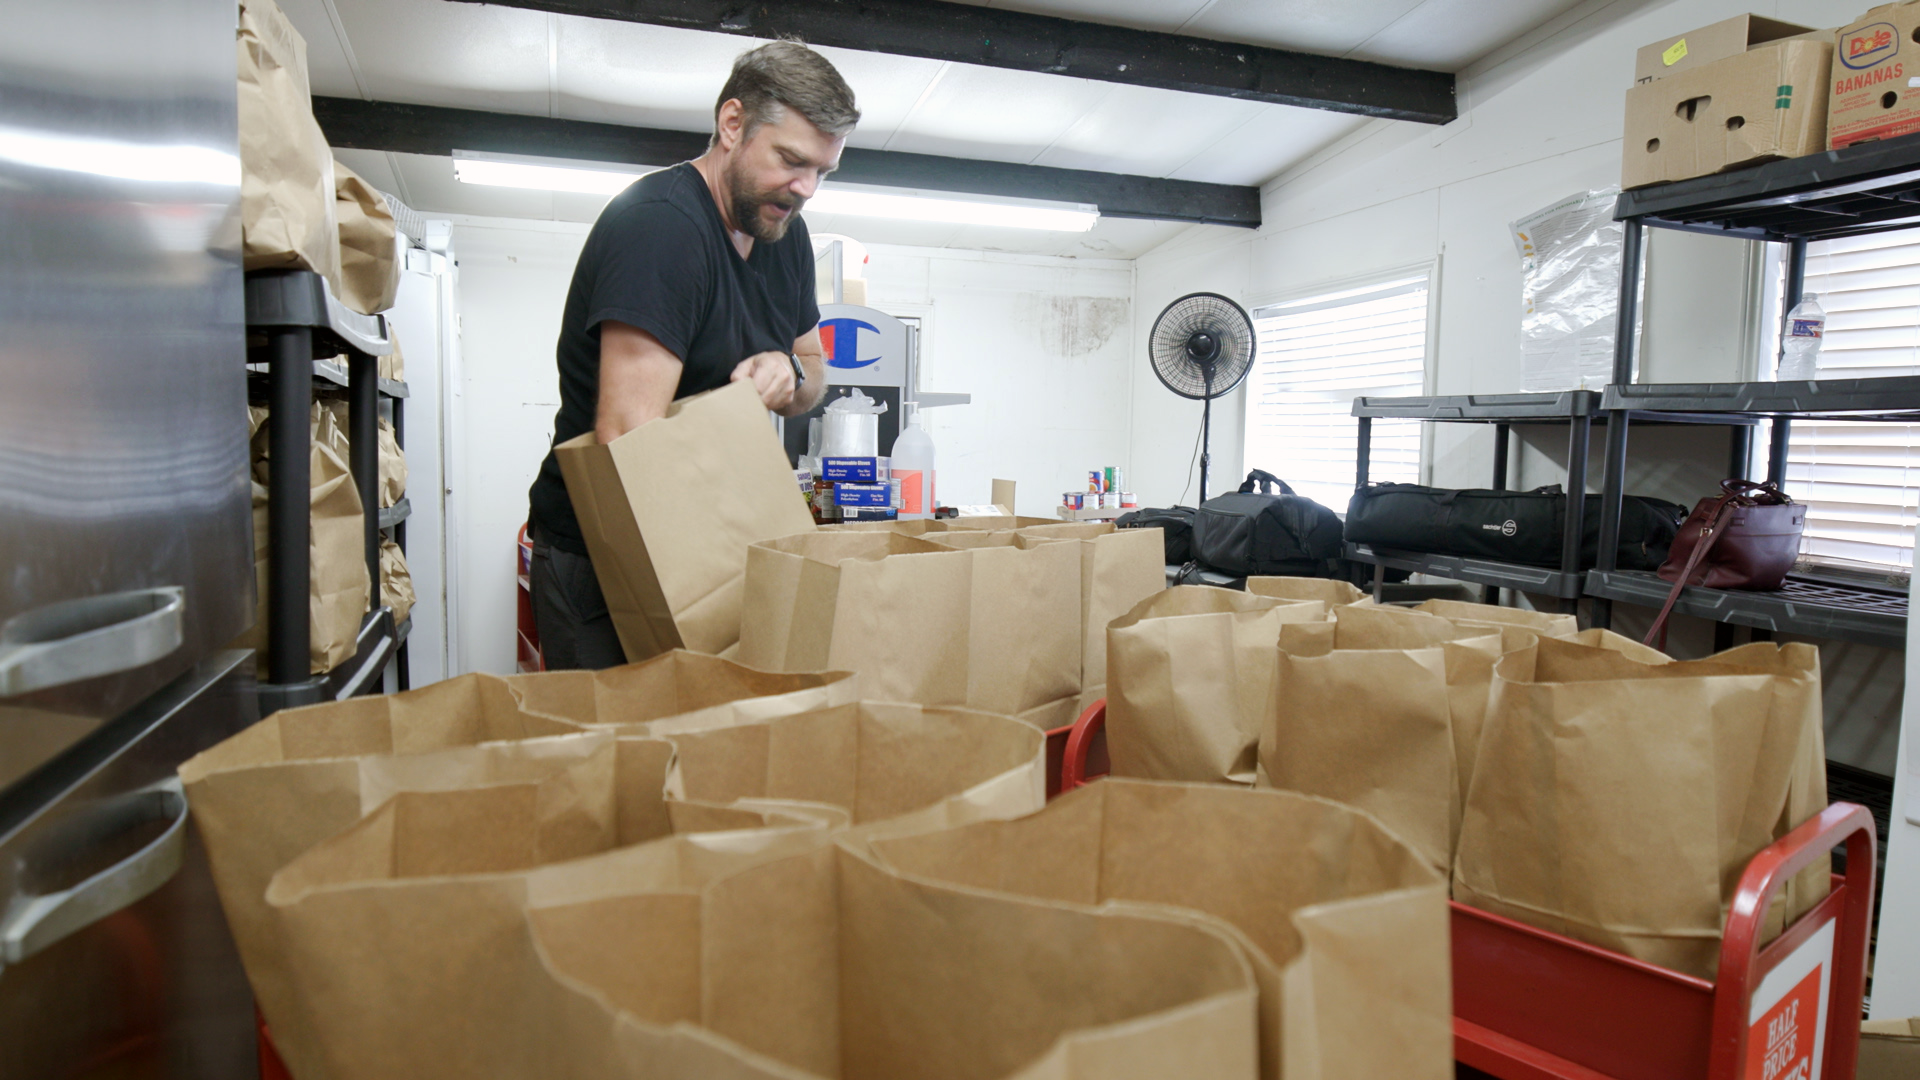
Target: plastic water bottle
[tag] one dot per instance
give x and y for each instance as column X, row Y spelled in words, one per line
column 1800, row 351
column 913, row 467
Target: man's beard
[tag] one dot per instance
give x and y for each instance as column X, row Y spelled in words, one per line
column 746, row 209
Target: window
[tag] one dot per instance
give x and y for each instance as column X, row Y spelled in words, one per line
column 1316, row 355
column 1861, row 482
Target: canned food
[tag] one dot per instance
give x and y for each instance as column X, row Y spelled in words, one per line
column 1128, row 500
column 1109, row 475
column 1110, row 501
column 1093, row 480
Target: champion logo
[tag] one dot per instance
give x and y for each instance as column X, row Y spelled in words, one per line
column 840, row 338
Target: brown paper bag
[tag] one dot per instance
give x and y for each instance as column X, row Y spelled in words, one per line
column 338, row 586
column 396, row 581
column 1118, row 569
column 1618, row 802
column 1346, row 926
column 668, row 511
column 286, row 168
column 711, row 956
column 393, row 365
column 393, row 465
column 1329, row 592
column 1544, row 623
column 1191, row 682
column 1386, row 720
column 686, row 685
column 1889, row 1050
column 369, row 254
column 986, row 620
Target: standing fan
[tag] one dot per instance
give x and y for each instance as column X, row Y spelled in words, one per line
column 1201, row 347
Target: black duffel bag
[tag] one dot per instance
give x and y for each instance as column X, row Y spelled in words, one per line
column 1259, row 532
column 1176, row 529
column 1523, row 527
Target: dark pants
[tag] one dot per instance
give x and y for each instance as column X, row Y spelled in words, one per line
column 570, row 613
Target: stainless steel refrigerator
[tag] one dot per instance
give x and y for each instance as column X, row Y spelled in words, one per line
column 125, row 532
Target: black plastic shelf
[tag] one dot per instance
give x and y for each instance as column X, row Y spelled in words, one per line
column 1500, row 575
column 1865, row 188
column 1481, row 408
column 1808, row 608
column 1895, row 398
column 395, row 514
column 301, row 298
column 332, row 373
column 379, row 639
column 1199, row 575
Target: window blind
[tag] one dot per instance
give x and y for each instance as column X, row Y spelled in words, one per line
column 1861, row 482
column 1315, row 356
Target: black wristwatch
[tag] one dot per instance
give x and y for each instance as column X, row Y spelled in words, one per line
column 799, row 373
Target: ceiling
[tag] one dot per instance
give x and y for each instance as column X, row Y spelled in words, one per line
column 470, row 56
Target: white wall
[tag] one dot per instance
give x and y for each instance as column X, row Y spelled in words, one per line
column 1041, row 343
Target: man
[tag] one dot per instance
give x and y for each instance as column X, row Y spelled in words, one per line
column 694, row 277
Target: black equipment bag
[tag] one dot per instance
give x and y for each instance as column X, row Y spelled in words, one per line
column 1256, row 532
column 1176, row 529
column 1523, row 527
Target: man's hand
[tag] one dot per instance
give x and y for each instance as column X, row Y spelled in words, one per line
column 772, row 376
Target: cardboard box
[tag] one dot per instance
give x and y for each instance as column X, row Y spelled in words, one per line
column 863, row 494
column 1873, row 96
column 860, row 470
column 1889, row 1050
column 1767, row 103
column 1698, row 48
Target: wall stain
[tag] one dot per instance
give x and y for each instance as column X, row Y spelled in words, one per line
column 1070, row 326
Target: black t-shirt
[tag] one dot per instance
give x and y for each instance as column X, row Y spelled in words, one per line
column 659, row 259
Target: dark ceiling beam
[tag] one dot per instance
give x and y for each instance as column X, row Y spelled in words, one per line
column 426, row 129
column 966, row 34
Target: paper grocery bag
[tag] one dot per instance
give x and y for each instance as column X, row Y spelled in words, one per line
column 369, row 252
column 1118, row 569
column 986, row 620
column 405, row 939
column 1386, row 720
column 1345, row 924
column 337, row 583
column 688, row 686
column 759, row 953
column 1889, row 1050
column 669, row 509
column 1618, row 802
column 393, row 465
column 1326, row 590
column 396, row 581
column 1191, row 682
column 286, row 167
column 1545, row 623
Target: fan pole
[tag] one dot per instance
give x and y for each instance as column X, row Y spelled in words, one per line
column 1206, row 428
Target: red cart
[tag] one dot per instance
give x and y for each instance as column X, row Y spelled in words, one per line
column 1529, row 1004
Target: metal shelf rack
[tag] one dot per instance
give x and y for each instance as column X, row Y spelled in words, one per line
column 1575, row 408
column 1866, row 188
column 302, row 328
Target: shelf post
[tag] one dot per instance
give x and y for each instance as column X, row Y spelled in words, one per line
column 289, row 446
column 363, row 447
column 1363, row 452
column 1579, row 439
column 1502, row 441
column 1614, row 472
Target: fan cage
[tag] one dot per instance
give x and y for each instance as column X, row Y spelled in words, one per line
column 1208, row 313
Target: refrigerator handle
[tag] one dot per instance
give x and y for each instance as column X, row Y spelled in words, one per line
column 95, row 635
column 31, row 923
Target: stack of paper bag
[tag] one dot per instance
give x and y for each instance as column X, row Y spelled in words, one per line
column 1618, row 801
column 668, row 511
column 1383, row 714
column 992, row 625
column 1345, row 925
column 1326, row 590
column 286, row 167
column 1118, row 569
column 369, row 252
column 1190, row 686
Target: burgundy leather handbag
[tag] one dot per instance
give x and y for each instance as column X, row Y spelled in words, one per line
column 1745, row 538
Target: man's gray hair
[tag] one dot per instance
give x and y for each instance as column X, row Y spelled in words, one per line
column 787, row 74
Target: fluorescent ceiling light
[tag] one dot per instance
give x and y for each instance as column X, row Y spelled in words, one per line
column 551, row 174
column 543, row 174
